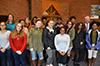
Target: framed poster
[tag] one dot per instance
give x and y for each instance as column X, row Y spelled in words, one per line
column 95, row 11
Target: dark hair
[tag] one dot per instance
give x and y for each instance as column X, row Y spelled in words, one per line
column 4, row 23
column 12, row 17
column 62, row 27
column 35, row 17
column 77, row 26
column 68, row 22
column 38, row 20
column 44, row 18
column 48, row 22
column 59, row 18
column 72, row 17
column 94, row 22
column 67, row 26
column 32, row 23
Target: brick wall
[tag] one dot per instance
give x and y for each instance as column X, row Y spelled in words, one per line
column 66, row 8
column 19, row 8
column 81, row 8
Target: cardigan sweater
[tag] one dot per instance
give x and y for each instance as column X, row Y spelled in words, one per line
column 18, row 43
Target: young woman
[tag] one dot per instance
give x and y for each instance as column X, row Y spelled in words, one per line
column 72, row 19
column 25, row 29
column 33, row 21
column 62, row 42
column 93, row 43
column 10, row 22
column 18, row 41
column 35, row 43
column 28, row 23
column 10, row 25
column 78, row 45
column 4, row 44
column 71, row 32
column 48, row 41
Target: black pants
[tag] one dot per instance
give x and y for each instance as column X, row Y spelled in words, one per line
column 62, row 59
column 10, row 58
column 20, row 59
column 3, row 58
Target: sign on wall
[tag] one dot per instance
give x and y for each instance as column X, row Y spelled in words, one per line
column 95, row 11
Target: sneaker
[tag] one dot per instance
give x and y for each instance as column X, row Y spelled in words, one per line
column 51, row 65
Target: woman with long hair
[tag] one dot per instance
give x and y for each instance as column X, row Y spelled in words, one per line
column 71, row 32
column 79, row 43
column 25, row 29
column 10, row 25
column 18, row 41
column 28, row 23
column 10, row 22
column 33, row 21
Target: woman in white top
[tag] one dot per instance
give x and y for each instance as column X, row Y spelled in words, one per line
column 62, row 42
column 4, row 44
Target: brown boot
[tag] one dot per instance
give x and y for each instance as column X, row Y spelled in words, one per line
column 39, row 62
column 93, row 61
column 89, row 62
column 34, row 63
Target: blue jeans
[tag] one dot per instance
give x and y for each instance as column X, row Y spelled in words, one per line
column 36, row 54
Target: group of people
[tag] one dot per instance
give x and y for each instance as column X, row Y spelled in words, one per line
column 50, row 41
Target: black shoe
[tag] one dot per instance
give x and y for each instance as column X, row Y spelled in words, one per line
column 66, row 64
column 76, row 64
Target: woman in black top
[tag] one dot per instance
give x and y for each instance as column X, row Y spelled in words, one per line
column 48, row 41
column 78, row 44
